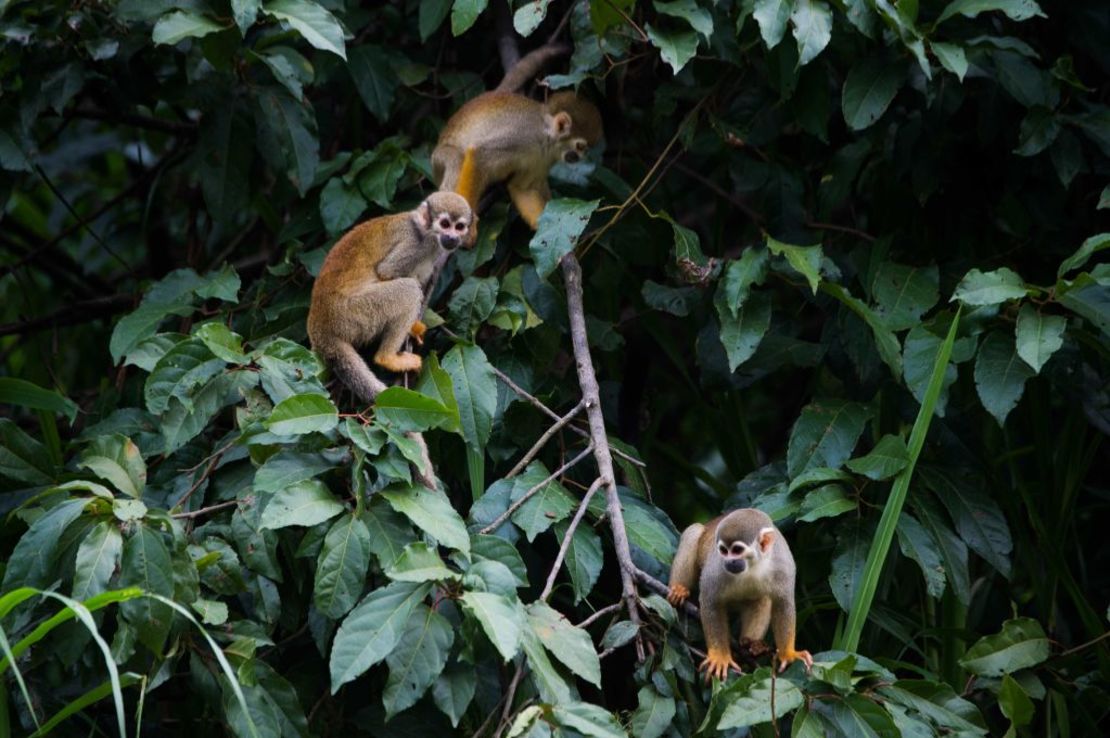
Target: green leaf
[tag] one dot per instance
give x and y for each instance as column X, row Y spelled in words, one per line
column 1038, row 336
column 182, row 24
column 304, row 503
column 1000, row 375
column 418, row 659
column 373, row 630
column 32, row 561
column 570, row 644
column 922, row 347
column 454, row 690
column 212, row 612
column 827, row 501
column 748, row 701
column 978, row 518
column 654, row 713
column 545, row 507
column 222, row 342
column 952, row 549
column 318, row 26
column 221, row 285
column 287, row 467
column 411, row 411
column 938, row 703
column 389, row 532
column 471, row 303
column 952, row 57
column 561, row 224
column 180, row 373
column 225, row 151
column 1039, row 130
column 501, row 618
column 341, row 567
column 1019, row 645
column 825, row 435
column 374, row 78
column 676, row 48
column 885, row 340
column 1018, row 10
column 475, row 390
column 1104, row 199
column 25, row 394
column 420, row 563
column 884, row 461
column 340, row 205
column 741, row 334
column 916, row 543
column 588, row 719
column 869, row 88
column 90, row 697
column 583, row 560
column 1089, row 248
column 97, row 558
column 857, row 716
column 464, row 13
column 145, row 563
column 302, row 414
column 905, row 293
column 431, row 16
column 552, row 687
column 245, row 13
column 1014, row 702
column 989, row 288
column 432, row 512
column 741, row 275
column 772, row 16
column 1089, row 299
column 688, row 10
column 528, row 17
column 806, row 260
column 849, row 558
column 23, row 458
column 116, row 459
column 286, row 130
column 173, row 295
column 812, row 21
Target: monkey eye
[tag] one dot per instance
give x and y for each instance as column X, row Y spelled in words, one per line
column 580, row 145
column 738, row 549
column 723, row 549
column 460, row 226
column 445, row 223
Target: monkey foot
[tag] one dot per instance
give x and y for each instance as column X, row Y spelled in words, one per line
column 403, row 362
column 789, row 656
column 752, row 649
column 717, row 664
column 417, row 331
column 677, row 594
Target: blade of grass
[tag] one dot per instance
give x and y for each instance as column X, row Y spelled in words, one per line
column 880, row 546
column 93, row 695
column 219, row 654
column 7, row 650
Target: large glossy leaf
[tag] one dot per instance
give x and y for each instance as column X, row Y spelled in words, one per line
column 1020, row 644
column 373, row 630
column 310, row 19
column 26, row 394
column 418, row 660
column 341, row 567
column 97, row 558
column 432, row 512
column 145, row 564
column 32, row 560
column 869, row 89
column 560, row 226
column 475, row 390
column 1000, row 375
column 825, row 435
column 502, row 619
column 305, row 503
column 570, row 645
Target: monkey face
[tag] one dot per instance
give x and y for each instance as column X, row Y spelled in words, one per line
column 450, row 231
column 448, row 217
column 735, row 556
column 575, row 150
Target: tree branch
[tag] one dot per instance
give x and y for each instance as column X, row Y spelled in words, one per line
column 74, row 314
column 531, row 492
column 585, row 503
column 538, row 445
column 587, row 380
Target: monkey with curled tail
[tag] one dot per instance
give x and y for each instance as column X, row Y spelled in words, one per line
column 372, row 283
column 738, row 563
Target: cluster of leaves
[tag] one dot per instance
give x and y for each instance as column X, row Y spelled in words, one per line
column 828, row 273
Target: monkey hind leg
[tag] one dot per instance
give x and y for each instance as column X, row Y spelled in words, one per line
column 354, row 372
column 398, row 301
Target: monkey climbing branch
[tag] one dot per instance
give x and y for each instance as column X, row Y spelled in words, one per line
column 587, row 381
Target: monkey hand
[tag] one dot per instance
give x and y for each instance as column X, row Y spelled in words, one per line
column 677, row 594
column 417, row 332
column 717, row 664
column 789, row 656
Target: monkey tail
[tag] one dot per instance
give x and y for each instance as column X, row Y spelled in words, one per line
column 529, row 66
column 355, row 373
column 467, row 183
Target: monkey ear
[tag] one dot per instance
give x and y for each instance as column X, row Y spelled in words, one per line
column 423, row 215
column 766, row 540
column 562, row 124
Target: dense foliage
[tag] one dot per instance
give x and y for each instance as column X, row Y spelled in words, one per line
column 841, row 262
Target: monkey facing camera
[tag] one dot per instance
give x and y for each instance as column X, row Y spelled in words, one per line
column 372, row 284
column 738, row 563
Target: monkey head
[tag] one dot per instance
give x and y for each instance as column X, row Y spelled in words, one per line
column 740, row 546
column 573, row 124
column 447, row 216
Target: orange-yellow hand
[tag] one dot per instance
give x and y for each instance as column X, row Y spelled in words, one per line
column 717, row 664
column 677, row 594
column 789, row 656
column 417, row 332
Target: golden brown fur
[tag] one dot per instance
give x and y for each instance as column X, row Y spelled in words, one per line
column 372, row 285
column 738, row 562
column 506, row 137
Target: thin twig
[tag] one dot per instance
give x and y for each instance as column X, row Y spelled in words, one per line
column 510, row 693
column 587, row 381
column 600, row 614
column 538, row 445
column 585, row 503
column 200, row 479
column 661, row 589
column 206, row 510
column 531, row 492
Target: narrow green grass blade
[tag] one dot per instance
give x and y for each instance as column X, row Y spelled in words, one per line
column 7, row 650
column 93, row 695
column 880, row 546
column 219, row 654
column 476, row 465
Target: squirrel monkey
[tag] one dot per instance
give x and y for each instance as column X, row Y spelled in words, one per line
column 372, row 284
column 738, row 562
column 502, row 136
